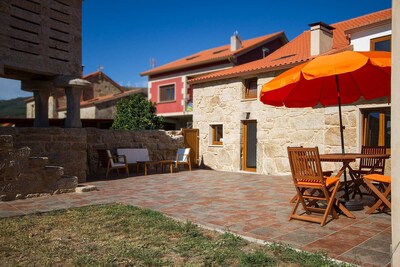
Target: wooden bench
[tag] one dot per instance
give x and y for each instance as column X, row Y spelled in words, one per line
column 134, row 155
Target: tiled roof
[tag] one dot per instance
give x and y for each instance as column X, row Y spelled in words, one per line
column 99, row 74
column 213, row 55
column 101, row 99
column 298, row 50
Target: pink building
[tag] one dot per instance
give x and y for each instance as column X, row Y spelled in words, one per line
column 168, row 86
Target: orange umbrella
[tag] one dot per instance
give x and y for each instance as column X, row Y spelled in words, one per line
column 335, row 79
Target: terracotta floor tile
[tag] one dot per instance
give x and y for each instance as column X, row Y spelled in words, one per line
column 251, row 205
column 367, row 256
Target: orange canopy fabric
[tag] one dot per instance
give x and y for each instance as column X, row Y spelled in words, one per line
column 359, row 74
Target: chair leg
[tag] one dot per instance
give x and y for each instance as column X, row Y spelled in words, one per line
column 329, row 208
column 127, row 170
column 381, row 196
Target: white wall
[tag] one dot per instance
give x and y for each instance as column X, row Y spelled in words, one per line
column 361, row 40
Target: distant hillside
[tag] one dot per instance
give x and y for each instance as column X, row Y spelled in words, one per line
column 13, row 108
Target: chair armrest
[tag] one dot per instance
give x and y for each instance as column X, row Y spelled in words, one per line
column 119, row 157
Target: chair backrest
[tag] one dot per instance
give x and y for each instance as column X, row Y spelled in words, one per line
column 182, row 155
column 103, row 157
column 110, row 157
column 373, row 164
column 305, row 164
column 134, row 155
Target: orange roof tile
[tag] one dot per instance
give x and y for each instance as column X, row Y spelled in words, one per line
column 101, row 99
column 298, row 50
column 213, row 55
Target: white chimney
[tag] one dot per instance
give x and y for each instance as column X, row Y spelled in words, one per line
column 236, row 42
column 321, row 38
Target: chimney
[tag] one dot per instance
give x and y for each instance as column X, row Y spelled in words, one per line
column 321, row 38
column 236, row 42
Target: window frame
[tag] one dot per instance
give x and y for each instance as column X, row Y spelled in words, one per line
column 213, row 132
column 382, row 129
column 246, row 88
column 380, row 39
column 163, row 87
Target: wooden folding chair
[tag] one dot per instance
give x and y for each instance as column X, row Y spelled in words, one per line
column 381, row 186
column 110, row 162
column 182, row 158
column 315, row 193
column 367, row 166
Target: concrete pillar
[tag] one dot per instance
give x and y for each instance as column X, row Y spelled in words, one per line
column 41, row 93
column 73, row 91
column 395, row 140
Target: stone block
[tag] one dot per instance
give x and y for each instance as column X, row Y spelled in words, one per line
column 6, row 142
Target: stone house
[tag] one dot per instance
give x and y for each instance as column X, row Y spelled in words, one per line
column 97, row 102
column 168, row 86
column 239, row 133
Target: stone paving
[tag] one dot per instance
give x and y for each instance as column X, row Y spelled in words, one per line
column 255, row 206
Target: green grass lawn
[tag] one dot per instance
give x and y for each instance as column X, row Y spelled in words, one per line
column 122, row 235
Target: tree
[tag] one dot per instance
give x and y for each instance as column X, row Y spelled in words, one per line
column 136, row 113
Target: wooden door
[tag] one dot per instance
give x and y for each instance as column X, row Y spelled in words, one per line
column 191, row 139
column 250, row 146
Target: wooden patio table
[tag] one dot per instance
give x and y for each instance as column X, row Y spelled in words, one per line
column 162, row 163
column 346, row 159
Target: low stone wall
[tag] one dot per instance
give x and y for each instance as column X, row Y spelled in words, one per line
column 76, row 149
column 62, row 147
column 24, row 176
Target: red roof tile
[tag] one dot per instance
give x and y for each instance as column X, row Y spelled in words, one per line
column 212, row 55
column 298, row 50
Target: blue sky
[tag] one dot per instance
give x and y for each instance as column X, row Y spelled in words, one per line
column 121, row 36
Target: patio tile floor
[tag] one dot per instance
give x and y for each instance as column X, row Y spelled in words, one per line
column 255, row 206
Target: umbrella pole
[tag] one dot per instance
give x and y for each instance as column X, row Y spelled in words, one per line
column 350, row 204
column 346, row 189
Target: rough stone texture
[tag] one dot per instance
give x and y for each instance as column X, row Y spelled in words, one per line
column 62, row 147
column 220, row 102
column 24, row 176
column 76, row 149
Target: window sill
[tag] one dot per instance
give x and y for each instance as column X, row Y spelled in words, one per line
column 248, row 99
column 166, row 102
column 215, row 145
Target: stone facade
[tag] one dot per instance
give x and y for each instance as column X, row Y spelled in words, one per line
column 221, row 102
column 76, row 149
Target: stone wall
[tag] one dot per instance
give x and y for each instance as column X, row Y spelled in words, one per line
column 62, row 147
column 24, row 176
column 76, row 149
column 221, row 102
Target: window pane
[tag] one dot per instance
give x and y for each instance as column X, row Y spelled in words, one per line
column 167, row 93
column 383, row 46
column 377, row 127
column 372, row 129
column 217, row 134
column 387, row 128
column 251, row 88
